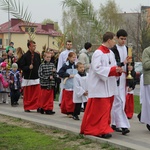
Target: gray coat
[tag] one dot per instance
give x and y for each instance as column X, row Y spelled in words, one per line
column 84, row 58
column 146, row 65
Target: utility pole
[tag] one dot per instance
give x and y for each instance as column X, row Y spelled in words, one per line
column 137, row 42
column 8, row 23
column 89, row 27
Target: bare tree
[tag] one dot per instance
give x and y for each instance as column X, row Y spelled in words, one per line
column 109, row 16
column 82, row 23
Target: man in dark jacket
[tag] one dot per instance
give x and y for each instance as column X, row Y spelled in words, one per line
column 30, row 64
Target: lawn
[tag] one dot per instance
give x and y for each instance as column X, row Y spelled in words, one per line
column 18, row 134
column 137, row 105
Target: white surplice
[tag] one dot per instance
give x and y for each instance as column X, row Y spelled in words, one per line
column 119, row 117
column 103, row 85
column 79, row 88
column 141, row 89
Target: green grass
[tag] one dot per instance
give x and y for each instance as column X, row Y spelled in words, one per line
column 57, row 97
column 18, row 138
column 137, row 105
column 17, row 134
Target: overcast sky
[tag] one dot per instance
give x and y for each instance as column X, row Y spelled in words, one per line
column 52, row 9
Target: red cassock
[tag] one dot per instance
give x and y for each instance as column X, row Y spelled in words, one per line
column 31, row 96
column 96, row 119
column 46, row 99
column 67, row 105
column 129, row 105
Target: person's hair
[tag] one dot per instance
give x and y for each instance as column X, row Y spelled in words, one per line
column 49, row 50
column 107, row 36
column 79, row 64
column 68, row 41
column 87, row 45
column 71, row 54
column 121, row 32
column 11, row 43
column 4, row 54
column 29, row 43
column 19, row 52
column 45, row 53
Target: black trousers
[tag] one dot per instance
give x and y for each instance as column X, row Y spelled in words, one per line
column 78, row 108
column 14, row 95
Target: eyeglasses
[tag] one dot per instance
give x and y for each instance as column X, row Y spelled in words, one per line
column 123, row 39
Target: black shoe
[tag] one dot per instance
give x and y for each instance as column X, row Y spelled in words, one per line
column 13, row 105
column 148, row 127
column 139, row 116
column 125, row 131
column 106, row 136
column 76, row 118
column 82, row 110
column 41, row 110
column 27, row 110
column 49, row 112
column 16, row 103
column 116, row 129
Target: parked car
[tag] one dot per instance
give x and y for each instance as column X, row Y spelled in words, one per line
column 138, row 69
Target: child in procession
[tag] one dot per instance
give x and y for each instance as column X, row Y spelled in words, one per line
column 80, row 94
column 4, row 86
column 15, row 85
column 47, row 74
column 67, row 72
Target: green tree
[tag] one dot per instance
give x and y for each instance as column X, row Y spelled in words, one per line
column 109, row 16
column 56, row 27
column 82, row 23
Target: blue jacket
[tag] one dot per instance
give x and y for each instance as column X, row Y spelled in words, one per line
column 65, row 71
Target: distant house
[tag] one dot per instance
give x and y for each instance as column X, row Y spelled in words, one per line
column 137, row 26
column 17, row 30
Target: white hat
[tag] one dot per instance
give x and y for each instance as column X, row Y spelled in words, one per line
column 14, row 65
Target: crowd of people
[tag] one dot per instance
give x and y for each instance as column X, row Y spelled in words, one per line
column 98, row 85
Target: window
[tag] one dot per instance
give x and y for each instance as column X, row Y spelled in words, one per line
column 27, row 29
column 32, row 29
column 0, row 41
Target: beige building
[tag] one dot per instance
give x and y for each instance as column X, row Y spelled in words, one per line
column 18, row 32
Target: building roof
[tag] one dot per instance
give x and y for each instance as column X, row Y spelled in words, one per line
column 16, row 24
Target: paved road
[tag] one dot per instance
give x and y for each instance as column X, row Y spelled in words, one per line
column 137, row 90
column 138, row 138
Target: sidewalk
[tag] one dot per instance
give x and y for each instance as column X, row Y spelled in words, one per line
column 138, row 138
